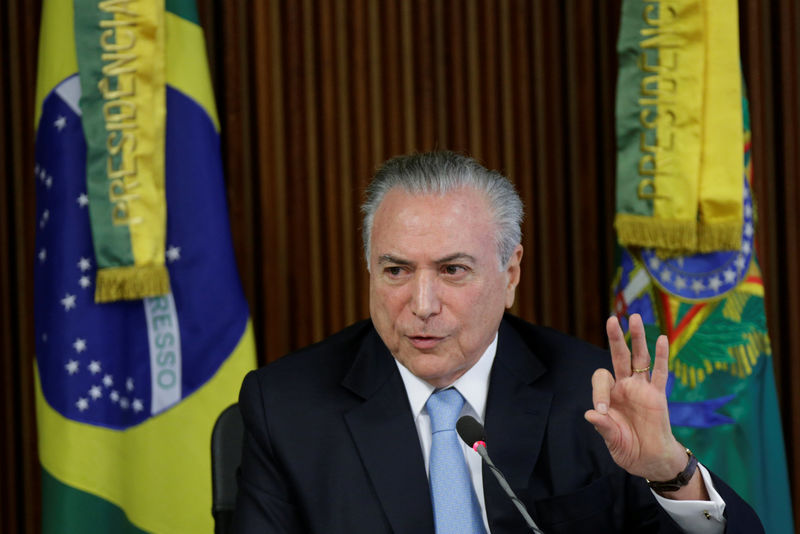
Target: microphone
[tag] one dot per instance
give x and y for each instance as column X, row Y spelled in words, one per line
column 471, row 431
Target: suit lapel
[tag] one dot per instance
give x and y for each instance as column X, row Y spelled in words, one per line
column 516, row 416
column 386, row 438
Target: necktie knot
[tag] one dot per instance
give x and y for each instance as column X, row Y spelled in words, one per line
column 444, row 407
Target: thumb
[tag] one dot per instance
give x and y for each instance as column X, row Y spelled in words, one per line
column 604, row 425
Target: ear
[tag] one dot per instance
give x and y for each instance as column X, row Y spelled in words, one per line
column 512, row 275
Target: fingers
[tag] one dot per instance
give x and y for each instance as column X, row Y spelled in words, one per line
column 605, row 426
column 641, row 356
column 661, row 365
column 602, row 383
column 620, row 355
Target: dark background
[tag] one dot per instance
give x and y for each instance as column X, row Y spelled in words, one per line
column 313, row 94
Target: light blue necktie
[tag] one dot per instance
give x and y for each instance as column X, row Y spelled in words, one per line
column 455, row 506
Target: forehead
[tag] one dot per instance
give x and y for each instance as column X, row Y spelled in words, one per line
column 457, row 221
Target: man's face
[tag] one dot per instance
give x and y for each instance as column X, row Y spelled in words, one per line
column 437, row 293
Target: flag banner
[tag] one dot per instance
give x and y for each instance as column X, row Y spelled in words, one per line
column 121, row 65
column 721, row 388
column 128, row 391
column 677, row 91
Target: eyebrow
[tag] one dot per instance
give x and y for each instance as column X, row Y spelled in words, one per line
column 388, row 258
column 458, row 256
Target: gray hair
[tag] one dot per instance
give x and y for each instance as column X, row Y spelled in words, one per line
column 442, row 172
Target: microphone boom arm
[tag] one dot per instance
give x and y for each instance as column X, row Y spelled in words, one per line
column 481, row 449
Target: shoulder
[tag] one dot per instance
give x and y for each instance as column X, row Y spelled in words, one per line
column 323, row 364
column 560, row 354
column 544, row 340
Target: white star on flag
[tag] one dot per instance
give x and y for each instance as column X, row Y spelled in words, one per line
column 42, row 175
column 173, row 253
column 129, row 384
column 108, row 381
column 79, row 345
column 123, row 403
column 95, row 367
column 698, row 286
column 730, row 275
column 82, row 404
column 715, row 283
column 49, row 182
column 42, row 255
column 680, row 282
column 82, row 200
column 84, row 282
column 84, row 264
column 739, row 262
column 654, row 263
column 748, row 210
column 60, row 122
column 137, row 405
column 95, row 392
column 68, row 302
column 746, row 247
column 114, row 395
column 71, row 367
column 665, row 275
column 45, row 218
column 748, row 230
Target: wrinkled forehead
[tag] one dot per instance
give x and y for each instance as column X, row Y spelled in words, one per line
column 457, row 221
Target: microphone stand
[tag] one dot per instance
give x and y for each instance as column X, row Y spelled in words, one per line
column 480, row 448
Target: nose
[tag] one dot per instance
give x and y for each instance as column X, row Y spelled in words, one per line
column 425, row 299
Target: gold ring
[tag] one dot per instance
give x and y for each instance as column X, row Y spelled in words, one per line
column 644, row 370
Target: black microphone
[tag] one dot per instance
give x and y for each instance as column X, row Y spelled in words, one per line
column 471, row 431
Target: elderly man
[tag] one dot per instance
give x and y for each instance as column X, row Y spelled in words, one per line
column 355, row 434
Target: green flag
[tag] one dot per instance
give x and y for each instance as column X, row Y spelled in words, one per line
column 721, row 388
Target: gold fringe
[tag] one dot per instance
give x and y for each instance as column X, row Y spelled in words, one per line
column 677, row 238
column 644, row 231
column 131, row 283
column 725, row 235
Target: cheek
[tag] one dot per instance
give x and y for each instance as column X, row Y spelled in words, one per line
column 386, row 303
column 485, row 298
column 483, row 308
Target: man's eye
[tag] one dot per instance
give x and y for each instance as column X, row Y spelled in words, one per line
column 454, row 270
column 394, row 271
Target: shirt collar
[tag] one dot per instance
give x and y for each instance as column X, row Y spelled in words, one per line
column 473, row 385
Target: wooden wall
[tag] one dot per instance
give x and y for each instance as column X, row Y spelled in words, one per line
column 313, row 94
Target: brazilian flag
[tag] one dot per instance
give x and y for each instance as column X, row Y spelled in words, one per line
column 721, row 388
column 130, row 196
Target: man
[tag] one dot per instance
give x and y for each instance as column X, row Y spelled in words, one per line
column 348, row 435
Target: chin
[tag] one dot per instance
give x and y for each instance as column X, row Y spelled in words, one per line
column 430, row 371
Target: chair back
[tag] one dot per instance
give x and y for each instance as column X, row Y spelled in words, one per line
column 226, row 455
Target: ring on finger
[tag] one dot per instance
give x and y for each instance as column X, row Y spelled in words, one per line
column 643, row 370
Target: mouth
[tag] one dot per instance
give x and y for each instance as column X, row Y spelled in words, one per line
column 424, row 342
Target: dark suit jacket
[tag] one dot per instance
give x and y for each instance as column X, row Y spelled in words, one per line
column 331, row 445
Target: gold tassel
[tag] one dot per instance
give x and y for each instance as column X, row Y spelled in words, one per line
column 131, row 283
column 723, row 235
column 643, row 231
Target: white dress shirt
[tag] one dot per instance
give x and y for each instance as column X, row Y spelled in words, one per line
column 701, row 517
